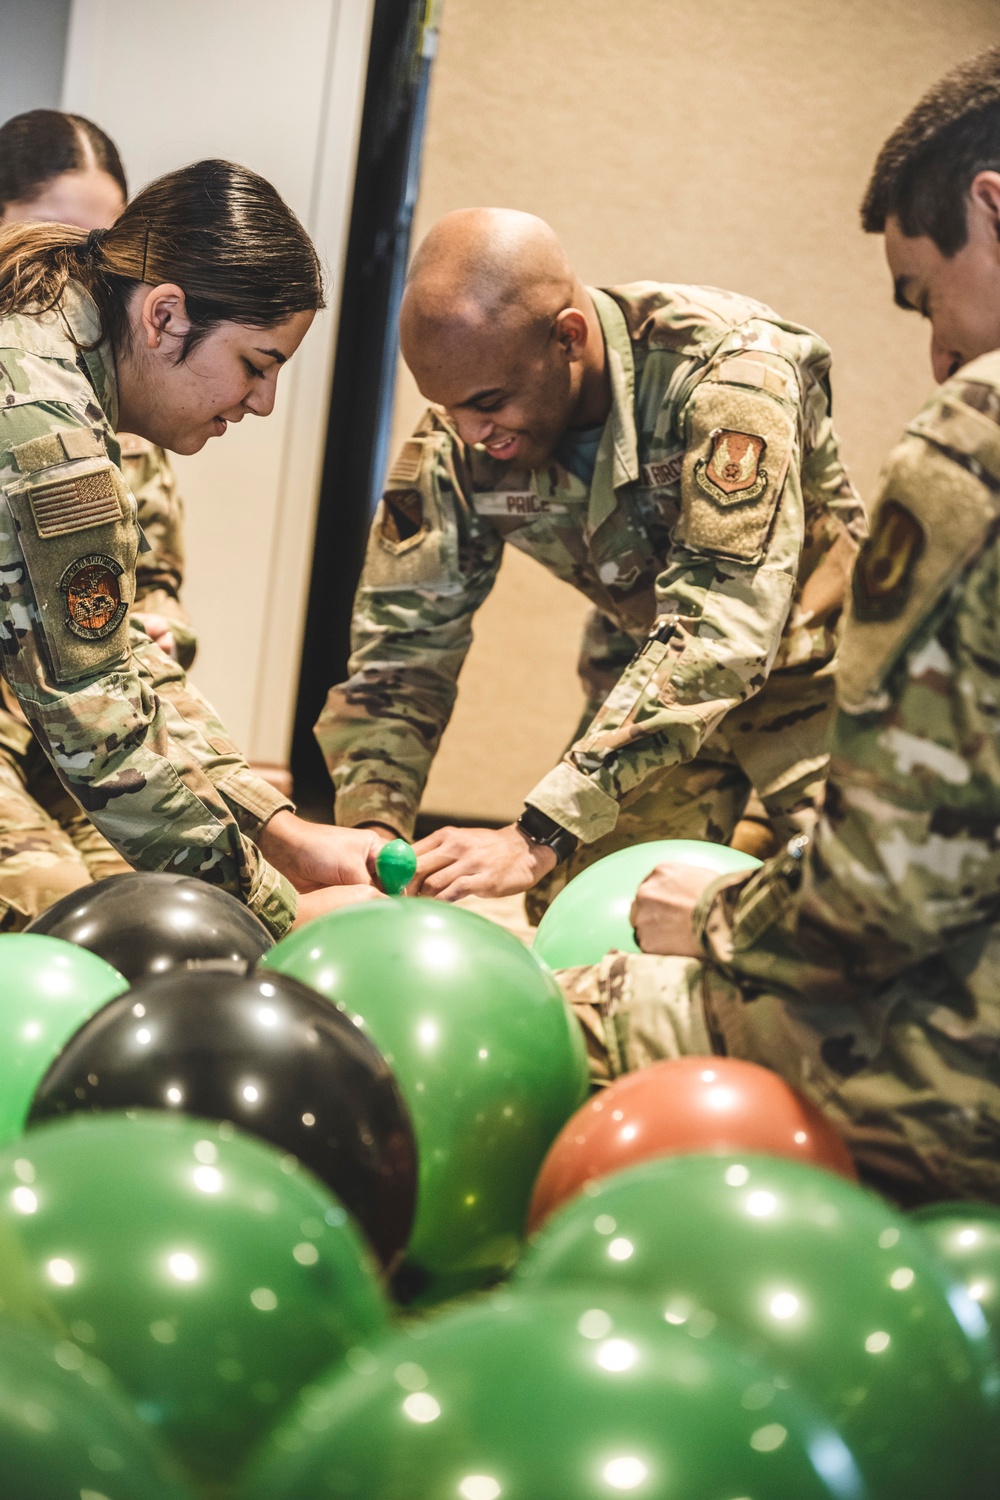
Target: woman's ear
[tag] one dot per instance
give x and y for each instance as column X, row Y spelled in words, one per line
column 163, row 315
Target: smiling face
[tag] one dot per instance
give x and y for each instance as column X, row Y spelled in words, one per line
column 958, row 294
column 513, row 391
column 181, row 403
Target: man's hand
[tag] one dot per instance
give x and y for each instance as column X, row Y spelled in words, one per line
column 316, row 855
column 663, row 910
column 457, row 862
column 332, row 898
column 159, row 629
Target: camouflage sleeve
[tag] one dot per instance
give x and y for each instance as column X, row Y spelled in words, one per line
column 159, row 573
column 904, row 861
column 430, row 564
column 723, row 600
column 67, row 554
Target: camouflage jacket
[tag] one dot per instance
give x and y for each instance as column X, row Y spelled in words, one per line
column 718, row 533
column 132, row 741
column 871, row 954
column 159, row 573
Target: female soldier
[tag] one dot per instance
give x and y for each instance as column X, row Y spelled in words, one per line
column 171, row 324
column 64, row 168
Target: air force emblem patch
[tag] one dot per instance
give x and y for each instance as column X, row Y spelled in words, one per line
column 732, row 473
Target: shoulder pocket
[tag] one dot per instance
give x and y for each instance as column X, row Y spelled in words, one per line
column 76, row 529
column 412, row 541
column 931, row 521
column 739, row 447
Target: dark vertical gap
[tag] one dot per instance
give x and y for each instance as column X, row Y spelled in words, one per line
column 385, row 190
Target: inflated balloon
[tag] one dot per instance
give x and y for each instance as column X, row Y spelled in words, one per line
column 213, row 1276
column 561, row 1398
column 965, row 1237
column 147, row 924
column 683, row 1105
column 839, row 1291
column 267, row 1053
column 486, row 1052
column 590, row 915
column 48, row 988
column 396, row 865
column 66, row 1430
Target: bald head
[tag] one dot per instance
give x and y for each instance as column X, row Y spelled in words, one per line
column 486, row 268
column 497, row 328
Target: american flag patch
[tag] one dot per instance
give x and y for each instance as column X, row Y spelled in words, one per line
column 75, row 504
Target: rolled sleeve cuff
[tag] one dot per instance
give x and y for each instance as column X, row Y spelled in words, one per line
column 274, row 900
column 575, row 802
column 709, row 922
column 370, row 802
column 252, row 800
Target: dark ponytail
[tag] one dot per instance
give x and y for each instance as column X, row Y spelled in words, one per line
column 219, row 231
column 44, row 143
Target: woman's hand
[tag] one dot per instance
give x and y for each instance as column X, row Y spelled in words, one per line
column 316, row 855
column 663, row 910
column 331, row 898
column 159, row 629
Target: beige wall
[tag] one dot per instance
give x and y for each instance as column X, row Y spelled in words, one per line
column 721, row 141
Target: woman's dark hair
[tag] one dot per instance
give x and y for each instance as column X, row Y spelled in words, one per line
column 218, row 231
column 44, row 143
column 925, row 169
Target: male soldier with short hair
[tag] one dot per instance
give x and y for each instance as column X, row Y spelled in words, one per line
column 668, row 450
column 863, row 964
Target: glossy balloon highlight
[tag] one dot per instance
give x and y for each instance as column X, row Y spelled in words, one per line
column 489, row 1059
column 67, row 1432
column 396, row 865
column 965, row 1237
column 211, row 1275
column 145, row 924
column 679, row 1106
column 590, row 915
column 272, row 1056
column 558, row 1397
column 48, row 989
column 831, row 1285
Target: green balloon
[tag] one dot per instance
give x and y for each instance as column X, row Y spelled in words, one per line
column 590, row 916
column 48, row 989
column 965, row 1237
column 840, row 1292
column 556, row 1398
column 66, row 1431
column 488, row 1056
column 395, row 865
column 213, row 1276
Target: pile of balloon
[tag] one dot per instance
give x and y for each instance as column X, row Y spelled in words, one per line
column 334, row 1217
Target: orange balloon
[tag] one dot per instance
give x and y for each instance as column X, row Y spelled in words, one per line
column 685, row 1105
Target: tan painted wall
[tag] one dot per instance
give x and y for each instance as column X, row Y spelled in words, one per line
column 720, row 141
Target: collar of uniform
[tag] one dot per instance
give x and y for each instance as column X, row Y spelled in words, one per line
column 618, row 455
column 79, row 312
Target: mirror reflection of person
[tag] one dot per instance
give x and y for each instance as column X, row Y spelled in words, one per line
column 172, row 323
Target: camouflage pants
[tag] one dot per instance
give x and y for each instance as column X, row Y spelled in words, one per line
column 48, row 846
column 908, row 1077
column 775, row 746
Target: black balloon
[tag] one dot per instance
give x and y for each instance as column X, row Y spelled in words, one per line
column 272, row 1056
column 146, row 924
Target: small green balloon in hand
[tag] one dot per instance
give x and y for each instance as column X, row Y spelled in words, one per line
column 396, row 866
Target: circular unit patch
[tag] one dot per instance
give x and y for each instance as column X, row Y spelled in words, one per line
column 94, row 604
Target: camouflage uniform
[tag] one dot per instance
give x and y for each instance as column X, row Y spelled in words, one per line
column 715, row 541
column 863, row 963
column 130, row 740
column 48, row 846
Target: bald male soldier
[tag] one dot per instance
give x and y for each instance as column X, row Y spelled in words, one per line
column 668, row 450
column 863, row 964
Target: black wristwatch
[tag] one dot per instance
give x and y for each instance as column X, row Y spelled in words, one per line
column 541, row 829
